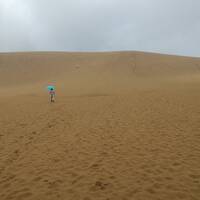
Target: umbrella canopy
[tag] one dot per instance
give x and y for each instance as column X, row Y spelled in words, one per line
column 50, row 87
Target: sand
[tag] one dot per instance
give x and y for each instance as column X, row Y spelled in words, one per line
column 125, row 125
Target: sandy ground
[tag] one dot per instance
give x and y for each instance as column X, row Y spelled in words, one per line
column 124, row 126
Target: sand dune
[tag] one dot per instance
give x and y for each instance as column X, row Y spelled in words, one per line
column 77, row 71
column 125, row 125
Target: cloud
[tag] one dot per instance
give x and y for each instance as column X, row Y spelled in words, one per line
column 100, row 25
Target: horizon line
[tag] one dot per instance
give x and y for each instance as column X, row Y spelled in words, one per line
column 101, row 51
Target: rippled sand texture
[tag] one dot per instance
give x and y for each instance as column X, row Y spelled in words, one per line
column 124, row 126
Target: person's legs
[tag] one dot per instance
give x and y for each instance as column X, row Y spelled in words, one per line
column 52, row 98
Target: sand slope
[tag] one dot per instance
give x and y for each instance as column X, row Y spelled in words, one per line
column 125, row 126
column 106, row 71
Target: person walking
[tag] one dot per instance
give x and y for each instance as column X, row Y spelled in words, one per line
column 52, row 95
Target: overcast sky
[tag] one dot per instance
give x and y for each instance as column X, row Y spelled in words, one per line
column 164, row 26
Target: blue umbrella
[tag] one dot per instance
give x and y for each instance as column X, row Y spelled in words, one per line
column 50, row 87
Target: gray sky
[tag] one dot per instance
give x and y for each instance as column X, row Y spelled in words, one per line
column 164, row 26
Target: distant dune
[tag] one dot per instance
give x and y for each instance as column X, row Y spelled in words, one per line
column 109, row 72
column 125, row 125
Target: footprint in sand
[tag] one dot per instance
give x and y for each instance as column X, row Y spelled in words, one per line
column 151, row 190
column 33, row 132
column 23, row 125
column 99, row 185
column 50, row 125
